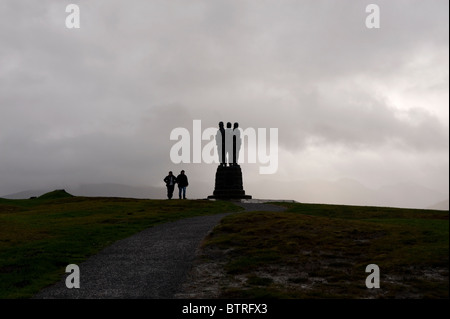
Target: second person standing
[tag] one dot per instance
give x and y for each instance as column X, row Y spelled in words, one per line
column 182, row 181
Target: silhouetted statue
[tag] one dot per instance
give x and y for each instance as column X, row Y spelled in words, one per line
column 228, row 181
column 237, row 141
column 229, row 143
column 220, row 142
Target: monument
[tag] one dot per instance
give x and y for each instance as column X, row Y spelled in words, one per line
column 228, row 182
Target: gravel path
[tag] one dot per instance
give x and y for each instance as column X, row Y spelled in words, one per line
column 152, row 264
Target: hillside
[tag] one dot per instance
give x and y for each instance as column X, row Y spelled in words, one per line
column 309, row 251
column 40, row 237
column 314, row 251
column 96, row 190
column 56, row 194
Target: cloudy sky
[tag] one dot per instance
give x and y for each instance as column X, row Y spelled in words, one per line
column 351, row 104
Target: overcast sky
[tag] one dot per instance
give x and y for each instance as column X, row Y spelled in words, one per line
column 97, row 104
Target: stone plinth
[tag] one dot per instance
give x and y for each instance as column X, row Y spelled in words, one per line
column 229, row 183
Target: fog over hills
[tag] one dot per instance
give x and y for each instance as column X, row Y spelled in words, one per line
column 351, row 192
column 444, row 205
column 343, row 191
column 100, row 190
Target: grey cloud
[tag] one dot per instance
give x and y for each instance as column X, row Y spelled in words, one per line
column 369, row 123
column 99, row 103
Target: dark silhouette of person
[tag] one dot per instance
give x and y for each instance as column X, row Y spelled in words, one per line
column 182, row 181
column 237, row 141
column 220, row 142
column 229, row 143
column 170, row 181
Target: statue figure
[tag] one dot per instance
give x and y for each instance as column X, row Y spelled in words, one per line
column 220, row 142
column 228, row 181
column 229, row 143
column 237, row 141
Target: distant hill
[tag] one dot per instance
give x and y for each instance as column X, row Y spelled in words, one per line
column 26, row 194
column 348, row 192
column 100, row 190
column 59, row 193
column 344, row 191
column 444, row 205
column 118, row 190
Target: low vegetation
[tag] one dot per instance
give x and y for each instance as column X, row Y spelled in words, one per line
column 40, row 237
column 321, row 251
column 307, row 251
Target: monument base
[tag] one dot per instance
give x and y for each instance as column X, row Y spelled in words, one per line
column 229, row 183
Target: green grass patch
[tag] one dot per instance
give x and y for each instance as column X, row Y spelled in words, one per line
column 321, row 251
column 40, row 237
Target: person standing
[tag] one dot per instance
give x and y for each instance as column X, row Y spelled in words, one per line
column 182, row 181
column 170, row 181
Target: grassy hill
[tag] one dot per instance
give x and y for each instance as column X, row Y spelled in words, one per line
column 309, row 251
column 321, row 251
column 57, row 194
column 40, row 237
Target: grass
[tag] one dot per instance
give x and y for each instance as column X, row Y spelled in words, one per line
column 40, row 237
column 321, row 251
column 308, row 251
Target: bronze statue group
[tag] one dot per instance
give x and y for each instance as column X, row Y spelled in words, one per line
column 228, row 141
